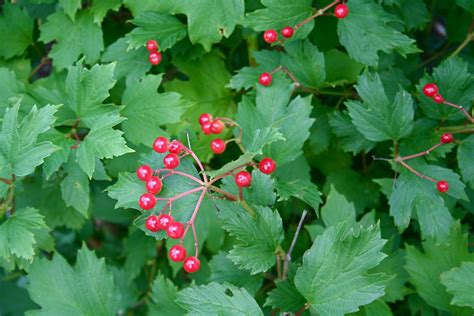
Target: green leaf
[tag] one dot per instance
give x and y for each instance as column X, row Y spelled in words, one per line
column 337, row 209
column 164, row 295
column 11, row 90
column 204, row 28
column 70, row 7
column 100, row 8
column 257, row 238
column 53, row 162
column 218, row 299
column 349, row 137
column 23, row 234
column 73, row 38
column 426, row 268
column 302, row 189
column 75, row 187
column 285, row 297
column 340, row 68
column 334, row 278
column 164, row 28
column 138, row 249
column 16, row 30
column 466, row 4
column 146, row 109
column 455, row 84
column 366, row 31
column 465, row 154
column 126, row 190
column 459, row 283
column 378, row 118
column 86, row 289
column 19, row 143
column 417, row 197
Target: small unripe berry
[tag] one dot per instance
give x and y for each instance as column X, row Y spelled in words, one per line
column 442, row 186
column 147, row 201
column 270, row 36
column 160, row 145
column 206, row 128
column 341, row 11
column 155, row 58
column 438, row 98
column 152, row 223
column 287, row 32
column 177, row 253
column 218, row 146
column 265, row 79
column 175, row 147
column 243, row 179
column 144, row 172
column 164, row 220
column 217, row 126
column 175, row 230
column 447, row 138
column 191, row 264
column 205, row 118
column 267, row 165
column 151, row 46
column 154, row 185
column 430, row 90
column 171, row 161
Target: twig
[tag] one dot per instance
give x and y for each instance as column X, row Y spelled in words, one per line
column 318, row 13
column 292, row 246
column 469, row 38
column 460, row 108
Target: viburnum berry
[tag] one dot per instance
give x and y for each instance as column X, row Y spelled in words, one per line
column 175, row 230
column 154, row 185
column 267, row 165
column 217, row 126
column 205, row 118
column 430, row 90
column 175, row 147
column 341, row 11
column 191, row 264
column 270, row 36
column 243, row 179
column 144, row 172
column 155, row 58
column 151, row 46
column 287, row 32
column 177, row 253
column 442, row 186
column 218, row 146
column 151, row 223
column 438, row 98
column 171, row 161
column 164, row 220
column 147, row 201
column 265, row 79
column 206, row 128
column 447, row 138
column 160, row 145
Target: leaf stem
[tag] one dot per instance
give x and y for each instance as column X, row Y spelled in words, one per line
column 469, row 38
column 292, row 246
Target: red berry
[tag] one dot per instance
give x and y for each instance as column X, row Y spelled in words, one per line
column 151, row 46
column 341, row 11
column 438, row 98
column 270, row 36
column 267, row 165
column 175, row 147
column 205, row 118
column 447, row 138
column 177, row 253
column 206, row 128
column 191, row 264
column 218, row 146
column 164, row 220
column 152, row 223
column 171, row 161
column 144, row 172
column 287, row 32
column 430, row 90
column 442, row 186
column 175, row 230
column 217, row 126
column 243, row 179
column 265, row 79
column 154, row 185
column 155, row 58
column 147, row 201
column 160, row 145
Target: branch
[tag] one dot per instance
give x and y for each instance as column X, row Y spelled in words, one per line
column 292, row 246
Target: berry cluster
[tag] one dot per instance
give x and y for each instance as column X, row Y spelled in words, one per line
column 431, row 91
column 155, row 56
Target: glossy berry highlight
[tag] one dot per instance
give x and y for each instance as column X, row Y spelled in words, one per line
column 438, row 98
column 155, row 58
column 218, row 146
column 160, row 145
column 151, row 46
column 287, row 32
column 175, row 230
column 191, row 264
column 267, row 165
column 177, row 253
column 447, row 138
column 171, row 161
column 154, row 185
column 270, row 36
column 144, row 172
column 164, row 220
column 217, row 126
column 341, row 11
column 175, row 147
column 442, row 186
column 243, row 179
column 205, row 118
column 147, row 201
column 151, row 223
column 430, row 90
column 265, row 79
column 206, row 128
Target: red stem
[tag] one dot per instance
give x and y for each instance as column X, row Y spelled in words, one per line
column 460, row 108
column 416, row 172
column 170, row 172
column 318, row 13
column 423, row 153
column 174, row 198
column 189, row 151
